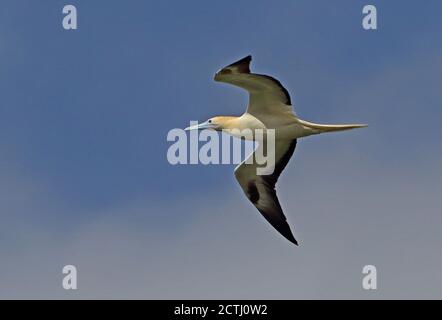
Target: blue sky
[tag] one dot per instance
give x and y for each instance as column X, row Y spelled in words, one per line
column 84, row 117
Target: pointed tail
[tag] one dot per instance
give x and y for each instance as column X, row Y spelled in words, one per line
column 330, row 127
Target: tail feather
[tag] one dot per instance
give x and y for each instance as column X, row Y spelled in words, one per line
column 331, row 127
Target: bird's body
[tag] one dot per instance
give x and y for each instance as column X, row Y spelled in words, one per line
column 269, row 108
column 289, row 128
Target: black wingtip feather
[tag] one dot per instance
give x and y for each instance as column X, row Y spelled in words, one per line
column 289, row 236
column 247, row 59
column 243, row 65
column 294, row 242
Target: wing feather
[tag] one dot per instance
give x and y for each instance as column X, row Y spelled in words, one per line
column 260, row 189
column 266, row 94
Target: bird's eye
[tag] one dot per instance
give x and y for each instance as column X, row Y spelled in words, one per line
column 210, row 121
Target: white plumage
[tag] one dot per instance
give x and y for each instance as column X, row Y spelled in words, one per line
column 269, row 107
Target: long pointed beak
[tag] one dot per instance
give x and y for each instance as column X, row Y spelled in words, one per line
column 201, row 126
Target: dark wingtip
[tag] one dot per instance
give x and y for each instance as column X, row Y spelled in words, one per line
column 243, row 65
column 293, row 240
column 287, row 233
column 243, row 60
column 284, row 229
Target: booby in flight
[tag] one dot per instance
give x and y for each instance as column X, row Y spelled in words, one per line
column 269, row 107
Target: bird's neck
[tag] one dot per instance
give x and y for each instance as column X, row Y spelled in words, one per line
column 230, row 122
column 243, row 127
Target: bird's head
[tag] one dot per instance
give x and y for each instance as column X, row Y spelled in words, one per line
column 215, row 123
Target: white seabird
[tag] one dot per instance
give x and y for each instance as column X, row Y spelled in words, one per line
column 269, row 107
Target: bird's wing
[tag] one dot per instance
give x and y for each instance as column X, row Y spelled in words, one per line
column 267, row 96
column 260, row 189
